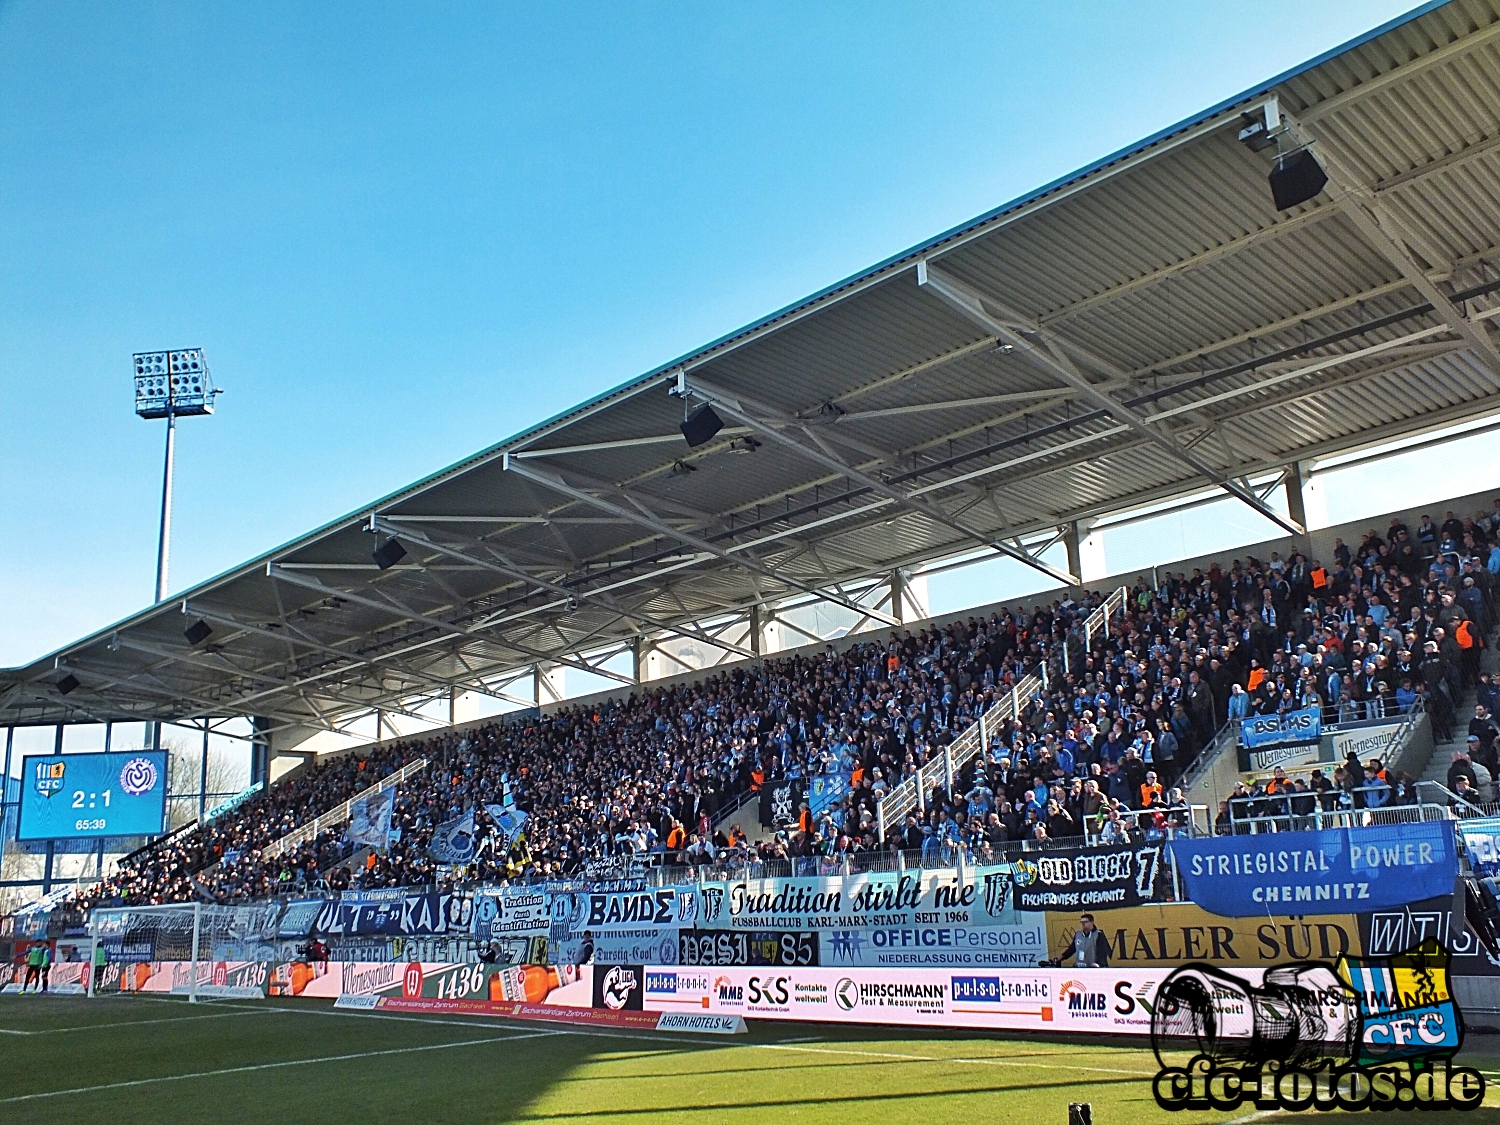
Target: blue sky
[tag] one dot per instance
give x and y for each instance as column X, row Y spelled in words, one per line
column 404, row 232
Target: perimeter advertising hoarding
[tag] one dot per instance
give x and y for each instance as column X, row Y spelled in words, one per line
column 92, row 796
column 215, row 978
column 1107, row 1001
column 1175, row 934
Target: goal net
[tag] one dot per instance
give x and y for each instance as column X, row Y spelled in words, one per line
column 172, row 949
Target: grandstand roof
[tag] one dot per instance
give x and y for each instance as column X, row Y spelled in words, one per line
column 1144, row 328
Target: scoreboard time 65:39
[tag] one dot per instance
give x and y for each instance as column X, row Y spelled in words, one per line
column 73, row 796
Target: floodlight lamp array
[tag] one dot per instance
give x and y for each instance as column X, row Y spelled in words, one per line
column 172, row 382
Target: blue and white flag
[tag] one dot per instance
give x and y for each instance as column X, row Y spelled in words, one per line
column 1482, row 841
column 453, row 840
column 370, row 820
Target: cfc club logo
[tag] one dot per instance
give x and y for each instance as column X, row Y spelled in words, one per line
column 996, row 894
column 49, row 777
column 846, row 994
column 138, row 776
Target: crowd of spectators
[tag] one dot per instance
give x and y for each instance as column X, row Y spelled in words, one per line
column 1095, row 755
column 1399, row 622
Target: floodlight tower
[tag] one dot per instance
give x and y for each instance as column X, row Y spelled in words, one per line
column 168, row 385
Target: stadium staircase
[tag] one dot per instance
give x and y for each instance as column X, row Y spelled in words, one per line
column 1442, row 752
column 339, row 814
column 942, row 769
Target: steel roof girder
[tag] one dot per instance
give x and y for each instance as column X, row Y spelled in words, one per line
column 825, row 456
column 569, row 595
column 648, row 519
column 1383, row 231
column 476, row 633
column 1018, row 330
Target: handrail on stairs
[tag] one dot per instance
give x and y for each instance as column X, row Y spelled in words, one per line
column 944, row 767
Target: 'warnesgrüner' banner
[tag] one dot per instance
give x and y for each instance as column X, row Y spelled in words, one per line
column 1093, row 878
column 1337, row 869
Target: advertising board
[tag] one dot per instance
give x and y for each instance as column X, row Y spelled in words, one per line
column 1172, row 934
column 1108, row 1001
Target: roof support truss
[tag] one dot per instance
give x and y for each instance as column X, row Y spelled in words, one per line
column 1050, row 351
column 648, row 519
column 778, row 426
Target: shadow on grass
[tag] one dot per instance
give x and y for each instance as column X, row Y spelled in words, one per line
column 842, row 1100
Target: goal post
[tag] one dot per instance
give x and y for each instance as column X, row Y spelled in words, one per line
column 175, row 946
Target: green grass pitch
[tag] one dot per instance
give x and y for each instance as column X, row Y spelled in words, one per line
column 117, row 1060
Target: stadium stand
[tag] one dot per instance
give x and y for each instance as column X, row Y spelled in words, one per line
column 1002, row 399
column 1395, row 624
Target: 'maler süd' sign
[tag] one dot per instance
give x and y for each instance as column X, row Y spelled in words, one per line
column 1339, row 869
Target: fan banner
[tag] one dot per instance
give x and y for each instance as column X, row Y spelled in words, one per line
column 973, row 896
column 1260, row 732
column 1094, row 878
column 1336, row 869
column 370, row 820
column 1481, row 838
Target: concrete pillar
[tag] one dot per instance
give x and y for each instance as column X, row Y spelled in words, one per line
column 1075, row 556
column 260, row 750
column 898, row 595
column 756, row 627
column 1296, row 506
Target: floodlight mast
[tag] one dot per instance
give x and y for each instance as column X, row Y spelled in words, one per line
column 167, row 384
